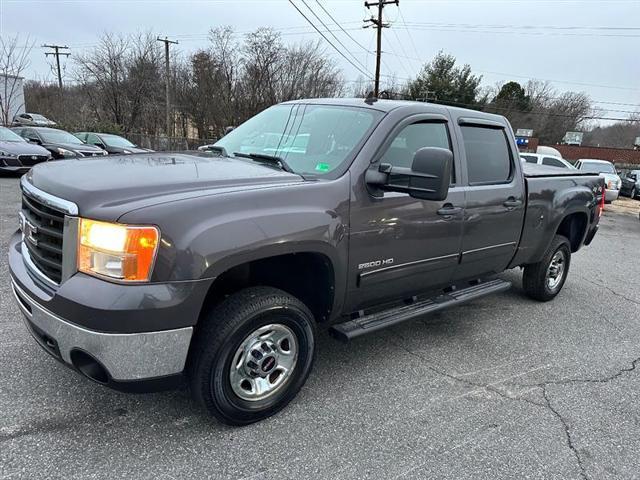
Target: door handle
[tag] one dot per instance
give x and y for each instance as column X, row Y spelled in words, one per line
column 512, row 203
column 449, row 210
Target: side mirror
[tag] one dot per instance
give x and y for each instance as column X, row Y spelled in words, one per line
column 427, row 179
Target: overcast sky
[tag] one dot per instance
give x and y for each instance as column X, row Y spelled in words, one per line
column 590, row 45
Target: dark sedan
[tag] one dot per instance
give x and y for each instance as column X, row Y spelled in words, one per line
column 17, row 155
column 61, row 144
column 113, row 144
column 631, row 184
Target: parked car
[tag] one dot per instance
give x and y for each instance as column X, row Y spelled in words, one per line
column 113, row 144
column 32, row 119
column 607, row 171
column 17, row 155
column 548, row 160
column 631, row 184
column 61, row 144
column 223, row 268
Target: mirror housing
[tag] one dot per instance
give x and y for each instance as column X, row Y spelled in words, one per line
column 427, row 179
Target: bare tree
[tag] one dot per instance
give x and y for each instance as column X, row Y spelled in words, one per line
column 122, row 81
column 14, row 60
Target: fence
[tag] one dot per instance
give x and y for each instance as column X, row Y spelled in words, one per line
column 162, row 143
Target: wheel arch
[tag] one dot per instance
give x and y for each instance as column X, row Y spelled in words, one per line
column 308, row 274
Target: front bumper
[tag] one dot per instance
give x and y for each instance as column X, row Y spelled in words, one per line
column 124, row 357
column 611, row 195
column 131, row 332
column 4, row 168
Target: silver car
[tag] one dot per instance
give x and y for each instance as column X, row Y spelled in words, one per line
column 606, row 170
column 32, row 120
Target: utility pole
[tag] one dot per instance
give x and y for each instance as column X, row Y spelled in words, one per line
column 170, row 122
column 379, row 25
column 56, row 53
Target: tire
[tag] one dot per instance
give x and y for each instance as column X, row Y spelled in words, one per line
column 538, row 281
column 230, row 334
column 633, row 193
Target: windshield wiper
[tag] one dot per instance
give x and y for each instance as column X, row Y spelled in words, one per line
column 268, row 159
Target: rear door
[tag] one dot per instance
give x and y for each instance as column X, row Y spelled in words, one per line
column 495, row 197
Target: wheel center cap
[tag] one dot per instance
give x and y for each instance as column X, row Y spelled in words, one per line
column 268, row 364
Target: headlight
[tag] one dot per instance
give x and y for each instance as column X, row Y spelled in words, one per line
column 65, row 153
column 126, row 151
column 123, row 252
column 7, row 154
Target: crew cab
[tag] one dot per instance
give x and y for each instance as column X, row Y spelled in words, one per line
column 347, row 214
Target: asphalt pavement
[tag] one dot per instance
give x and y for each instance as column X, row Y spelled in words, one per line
column 503, row 387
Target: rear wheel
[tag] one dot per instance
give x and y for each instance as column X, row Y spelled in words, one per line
column 634, row 193
column 543, row 280
column 252, row 354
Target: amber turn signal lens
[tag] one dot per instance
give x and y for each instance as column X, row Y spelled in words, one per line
column 123, row 252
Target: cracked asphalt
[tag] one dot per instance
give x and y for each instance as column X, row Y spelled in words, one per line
column 503, row 387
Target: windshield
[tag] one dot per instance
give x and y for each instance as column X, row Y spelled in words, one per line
column 116, row 141
column 311, row 139
column 7, row 135
column 58, row 136
column 597, row 167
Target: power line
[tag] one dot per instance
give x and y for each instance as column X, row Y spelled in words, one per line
column 332, row 34
column 341, row 28
column 328, row 41
column 415, row 50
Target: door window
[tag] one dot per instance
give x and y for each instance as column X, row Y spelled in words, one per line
column 93, row 139
column 553, row 162
column 489, row 158
column 30, row 135
column 529, row 158
column 414, row 137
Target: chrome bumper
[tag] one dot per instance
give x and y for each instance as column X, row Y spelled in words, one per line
column 611, row 195
column 126, row 356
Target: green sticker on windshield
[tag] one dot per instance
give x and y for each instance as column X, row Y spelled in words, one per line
column 323, row 167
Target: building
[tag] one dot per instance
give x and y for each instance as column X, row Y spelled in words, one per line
column 11, row 98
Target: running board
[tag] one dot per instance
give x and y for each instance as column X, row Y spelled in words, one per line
column 377, row 321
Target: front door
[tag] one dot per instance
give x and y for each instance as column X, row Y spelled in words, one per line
column 400, row 245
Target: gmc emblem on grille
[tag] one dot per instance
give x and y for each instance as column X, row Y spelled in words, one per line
column 29, row 232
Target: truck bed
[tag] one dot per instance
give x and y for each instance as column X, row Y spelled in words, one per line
column 551, row 192
column 533, row 170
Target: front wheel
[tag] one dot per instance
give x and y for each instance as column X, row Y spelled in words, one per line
column 634, row 193
column 543, row 280
column 252, row 354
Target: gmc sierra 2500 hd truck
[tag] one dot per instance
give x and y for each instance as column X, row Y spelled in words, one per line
column 353, row 215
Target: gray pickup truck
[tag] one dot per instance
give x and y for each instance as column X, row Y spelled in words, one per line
column 219, row 268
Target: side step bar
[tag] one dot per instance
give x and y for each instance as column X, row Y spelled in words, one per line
column 376, row 321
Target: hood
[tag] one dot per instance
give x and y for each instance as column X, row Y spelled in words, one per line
column 610, row 177
column 107, row 187
column 23, row 148
column 75, row 147
column 128, row 149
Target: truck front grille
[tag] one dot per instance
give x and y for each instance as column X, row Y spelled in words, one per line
column 43, row 233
